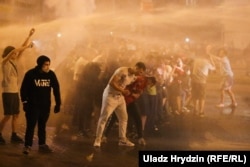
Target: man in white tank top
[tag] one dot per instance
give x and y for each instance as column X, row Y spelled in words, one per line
column 113, row 101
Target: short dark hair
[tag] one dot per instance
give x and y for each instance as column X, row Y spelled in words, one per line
column 7, row 50
column 41, row 60
column 141, row 65
column 152, row 79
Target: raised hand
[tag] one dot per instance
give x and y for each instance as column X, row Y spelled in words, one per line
column 32, row 31
column 31, row 44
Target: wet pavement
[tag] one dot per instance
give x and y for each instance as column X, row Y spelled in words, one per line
column 221, row 129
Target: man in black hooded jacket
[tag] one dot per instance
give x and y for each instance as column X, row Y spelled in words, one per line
column 36, row 99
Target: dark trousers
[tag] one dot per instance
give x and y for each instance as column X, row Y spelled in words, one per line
column 134, row 113
column 151, row 113
column 36, row 115
column 85, row 111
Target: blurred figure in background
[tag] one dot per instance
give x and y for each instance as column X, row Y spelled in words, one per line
column 175, row 87
column 227, row 78
column 149, row 116
column 10, row 95
column 201, row 68
column 88, row 88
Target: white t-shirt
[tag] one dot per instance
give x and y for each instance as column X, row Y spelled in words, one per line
column 124, row 79
column 225, row 67
column 201, row 69
column 10, row 77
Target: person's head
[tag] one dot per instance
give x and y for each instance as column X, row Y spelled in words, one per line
column 222, row 52
column 7, row 50
column 140, row 68
column 43, row 63
column 208, row 49
column 151, row 80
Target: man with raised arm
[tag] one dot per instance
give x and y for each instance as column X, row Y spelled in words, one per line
column 10, row 87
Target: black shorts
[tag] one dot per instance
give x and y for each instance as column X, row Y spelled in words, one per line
column 198, row 90
column 10, row 103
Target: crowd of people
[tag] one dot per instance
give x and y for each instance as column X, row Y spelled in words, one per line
column 117, row 80
column 174, row 83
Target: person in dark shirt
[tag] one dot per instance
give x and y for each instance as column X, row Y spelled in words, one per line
column 36, row 98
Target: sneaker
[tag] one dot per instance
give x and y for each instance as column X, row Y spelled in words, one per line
column 97, row 142
column 220, row 105
column 142, row 141
column 2, row 141
column 126, row 142
column 16, row 139
column 26, row 150
column 202, row 115
column 104, row 139
column 234, row 105
column 45, row 149
column 185, row 109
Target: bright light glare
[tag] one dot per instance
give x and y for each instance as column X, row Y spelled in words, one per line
column 36, row 43
column 187, row 40
column 59, row 35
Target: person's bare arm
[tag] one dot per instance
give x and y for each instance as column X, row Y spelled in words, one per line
column 173, row 71
column 32, row 31
column 212, row 60
column 16, row 51
column 25, row 43
column 215, row 58
column 115, row 84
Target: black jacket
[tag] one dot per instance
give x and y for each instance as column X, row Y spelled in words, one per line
column 36, row 88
